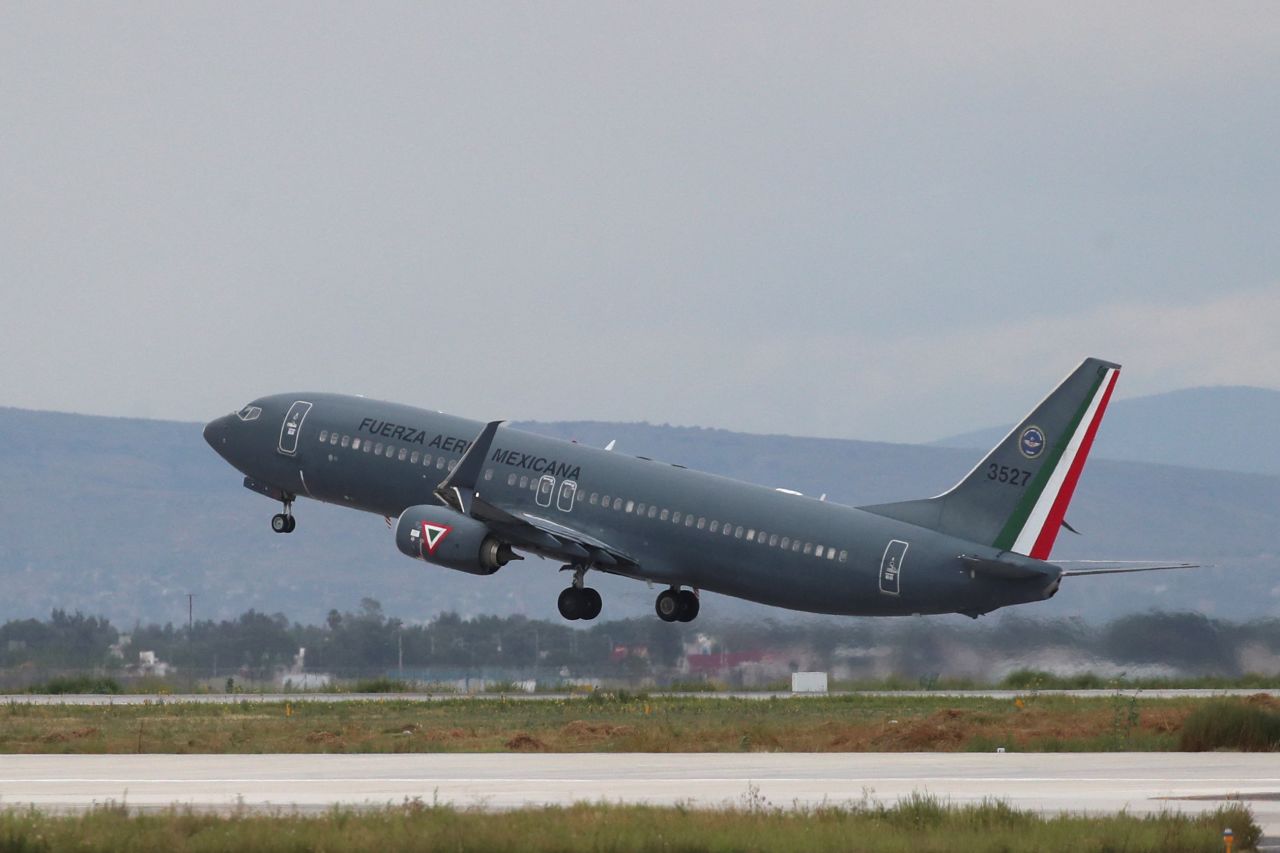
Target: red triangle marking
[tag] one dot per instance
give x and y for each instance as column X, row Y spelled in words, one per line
column 433, row 535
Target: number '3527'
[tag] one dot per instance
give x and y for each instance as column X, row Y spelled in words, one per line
column 1005, row 474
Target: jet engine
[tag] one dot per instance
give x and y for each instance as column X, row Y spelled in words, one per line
column 438, row 535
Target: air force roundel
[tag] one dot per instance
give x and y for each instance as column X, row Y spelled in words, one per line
column 1031, row 442
column 433, row 535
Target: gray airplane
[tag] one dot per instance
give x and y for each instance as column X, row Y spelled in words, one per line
column 472, row 497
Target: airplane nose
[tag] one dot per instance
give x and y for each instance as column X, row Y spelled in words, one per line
column 215, row 432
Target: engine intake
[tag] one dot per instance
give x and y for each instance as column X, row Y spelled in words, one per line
column 438, row 535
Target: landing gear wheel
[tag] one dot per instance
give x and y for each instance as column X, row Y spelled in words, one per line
column 571, row 604
column 293, row 522
column 281, row 523
column 668, row 605
column 688, row 605
column 592, row 603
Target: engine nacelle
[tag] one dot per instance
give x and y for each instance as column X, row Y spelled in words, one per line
column 438, row 535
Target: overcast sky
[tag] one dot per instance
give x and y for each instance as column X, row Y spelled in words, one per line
column 860, row 220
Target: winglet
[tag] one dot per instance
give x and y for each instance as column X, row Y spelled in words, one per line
column 458, row 489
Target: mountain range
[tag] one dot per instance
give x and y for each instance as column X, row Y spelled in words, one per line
column 126, row 517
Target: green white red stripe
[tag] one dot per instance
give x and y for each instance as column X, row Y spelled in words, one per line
column 1035, row 524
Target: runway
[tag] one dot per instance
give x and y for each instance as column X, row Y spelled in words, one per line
column 236, row 698
column 1092, row 782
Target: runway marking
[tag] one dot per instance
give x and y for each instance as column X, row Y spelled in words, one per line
column 1163, row 780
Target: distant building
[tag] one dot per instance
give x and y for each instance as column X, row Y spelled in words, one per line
column 148, row 664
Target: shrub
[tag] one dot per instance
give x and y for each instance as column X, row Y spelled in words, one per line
column 78, row 684
column 381, row 685
column 1232, row 725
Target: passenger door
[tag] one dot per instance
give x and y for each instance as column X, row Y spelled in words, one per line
column 292, row 427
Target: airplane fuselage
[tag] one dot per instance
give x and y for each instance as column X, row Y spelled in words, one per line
column 682, row 527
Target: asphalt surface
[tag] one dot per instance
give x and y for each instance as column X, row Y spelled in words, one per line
column 235, row 698
column 1091, row 782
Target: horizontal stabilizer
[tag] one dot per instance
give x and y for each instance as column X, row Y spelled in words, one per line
column 1000, row 569
column 1090, row 567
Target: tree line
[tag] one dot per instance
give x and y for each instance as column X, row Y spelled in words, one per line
column 366, row 640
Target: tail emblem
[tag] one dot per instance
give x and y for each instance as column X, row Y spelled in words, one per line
column 1031, row 442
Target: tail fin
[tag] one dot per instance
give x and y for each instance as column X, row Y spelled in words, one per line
column 1016, row 498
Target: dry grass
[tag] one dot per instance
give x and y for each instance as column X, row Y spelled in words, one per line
column 604, row 724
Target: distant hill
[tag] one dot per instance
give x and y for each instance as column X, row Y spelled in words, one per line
column 1229, row 428
column 124, row 517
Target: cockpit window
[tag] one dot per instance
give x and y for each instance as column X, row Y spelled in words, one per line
column 249, row 413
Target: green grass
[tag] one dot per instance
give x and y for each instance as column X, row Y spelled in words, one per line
column 917, row 823
column 1233, row 725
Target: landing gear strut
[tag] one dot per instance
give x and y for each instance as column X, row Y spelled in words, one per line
column 578, row 601
column 284, row 522
column 677, row 605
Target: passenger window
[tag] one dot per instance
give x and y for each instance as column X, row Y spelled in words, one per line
column 346, row 441
column 817, row 550
column 844, row 556
column 452, row 464
column 324, row 436
column 403, row 454
column 831, row 553
column 511, row 479
column 617, row 503
column 675, row 518
column 440, row 463
column 604, row 502
column 524, row 481
column 367, row 446
column 639, row 509
column 653, row 513
column 737, row 534
column 714, row 525
column 688, row 522
column 773, row 540
column 546, row 485
column 333, row 439
column 751, row 535
column 795, row 546
column 592, row 499
column 414, row 457
column 664, row 515
column 488, row 473
column 355, row 444
column 391, row 450
column 377, row 449
column 786, row 542
column 808, row 547
column 631, row 505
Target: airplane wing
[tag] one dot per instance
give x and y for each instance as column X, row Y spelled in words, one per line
column 1094, row 567
column 523, row 530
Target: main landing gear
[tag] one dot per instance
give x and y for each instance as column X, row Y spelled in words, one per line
column 677, row 605
column 284, row 522
column 578, row 601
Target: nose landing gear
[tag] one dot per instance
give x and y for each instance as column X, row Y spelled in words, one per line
column 284, row 522
column 578, row 601
column 677, row 605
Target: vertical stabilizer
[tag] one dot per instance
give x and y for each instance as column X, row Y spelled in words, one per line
column 1016, row 498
